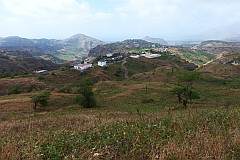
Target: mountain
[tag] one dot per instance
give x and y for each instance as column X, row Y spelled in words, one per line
column 18, row 42
column 22, row 61
column 15, row 41
column 122, row 47
column 77, row 47
column 155, row 40
column 80, row 41
column 72, row 48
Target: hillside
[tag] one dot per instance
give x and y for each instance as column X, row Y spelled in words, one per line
column 217, row 47
column 217, row 43
column 122, row 47
column 72, row 48
column 198, row 57
column 155, row 40
column 134, row 117
column 22, row 61
column 224, row 65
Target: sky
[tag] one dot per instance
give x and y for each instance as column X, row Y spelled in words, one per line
column 113, row 20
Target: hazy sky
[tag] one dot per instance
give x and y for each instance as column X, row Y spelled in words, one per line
column 115, row 19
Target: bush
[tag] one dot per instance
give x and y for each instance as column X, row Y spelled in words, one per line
column 87, row 100
column 65, row 89
column 16, row 89
column 147, row 100
column 41, row 99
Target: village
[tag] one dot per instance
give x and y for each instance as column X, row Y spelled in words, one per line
column 110, row 58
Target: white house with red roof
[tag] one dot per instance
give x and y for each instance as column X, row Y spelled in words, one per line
column 134, row 55
column 82, row 67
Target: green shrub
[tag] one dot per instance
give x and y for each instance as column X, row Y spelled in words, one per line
column 88, row 100
column 41, row 99
column 16, row 89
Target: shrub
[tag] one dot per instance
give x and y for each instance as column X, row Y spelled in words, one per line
column 41, row 99
column 87, row 100
column 16, row 89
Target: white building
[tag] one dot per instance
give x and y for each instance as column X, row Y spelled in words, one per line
column 102, row 63
column 235, row 63
column 82, row 67
column 109, row 55
column 41, row 72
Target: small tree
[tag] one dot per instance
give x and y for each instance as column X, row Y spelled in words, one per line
column 185, row 91
column 16, row 89
column 178, row 90
column 40, row 99
column 185, row 94
column 87, row 99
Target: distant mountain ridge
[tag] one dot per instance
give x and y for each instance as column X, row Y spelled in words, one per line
column 155, row 40
column 71, row 48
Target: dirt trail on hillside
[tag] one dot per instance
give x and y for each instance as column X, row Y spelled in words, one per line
column 125, row 69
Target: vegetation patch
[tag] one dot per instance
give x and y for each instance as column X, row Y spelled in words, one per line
column 165, row 138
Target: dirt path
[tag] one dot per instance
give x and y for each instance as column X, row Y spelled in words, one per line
column 125, row 69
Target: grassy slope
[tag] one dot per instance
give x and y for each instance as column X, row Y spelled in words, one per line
column 125, row 126
column 71, row 55
column 197, row 57
column 216, row 67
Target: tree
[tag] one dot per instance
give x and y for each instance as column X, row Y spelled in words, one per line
column 185, row 91
column 40, row 99
column 188, row 78
column 185, row 94
column 178, row 90
column 87, row 95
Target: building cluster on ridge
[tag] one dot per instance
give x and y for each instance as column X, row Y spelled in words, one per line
column 103, row 61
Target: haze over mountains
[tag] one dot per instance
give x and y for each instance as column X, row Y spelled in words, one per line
column 225, row 33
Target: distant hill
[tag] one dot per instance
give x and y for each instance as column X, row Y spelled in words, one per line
column 121, row 47
column 218, row 43
column 71, row 48
column 77, row 47
column 217, row 47
column 198, row 57
column 155, row 40
column 22, row 61
column 80, row 41
column 223, row 64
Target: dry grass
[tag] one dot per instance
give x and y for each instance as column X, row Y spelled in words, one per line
column 123, row 127
column 19, row 137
